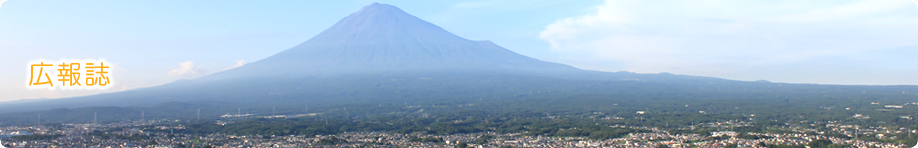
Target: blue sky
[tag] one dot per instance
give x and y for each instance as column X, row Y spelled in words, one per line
column 151, row 43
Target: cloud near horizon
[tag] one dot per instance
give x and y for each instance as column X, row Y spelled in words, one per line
column 239, row 63
column 188, row 70
column 720, row 37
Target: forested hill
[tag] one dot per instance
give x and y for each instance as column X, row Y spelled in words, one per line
column 374, row 96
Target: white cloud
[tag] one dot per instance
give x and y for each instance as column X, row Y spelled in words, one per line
column 716, row 37
column 238, row 63
column 188, row 70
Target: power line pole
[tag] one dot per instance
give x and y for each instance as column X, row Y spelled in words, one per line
column 856, row 130
column 95, row 115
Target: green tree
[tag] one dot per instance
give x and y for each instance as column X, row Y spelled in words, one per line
column 462, row 145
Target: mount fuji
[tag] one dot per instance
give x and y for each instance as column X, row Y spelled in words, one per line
column 382, row 55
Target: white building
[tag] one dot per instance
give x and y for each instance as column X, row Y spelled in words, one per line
column 893, row 106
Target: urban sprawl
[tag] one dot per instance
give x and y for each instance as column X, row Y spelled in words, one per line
column 90, row 135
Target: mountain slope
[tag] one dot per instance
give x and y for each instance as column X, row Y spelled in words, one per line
column 381, row 38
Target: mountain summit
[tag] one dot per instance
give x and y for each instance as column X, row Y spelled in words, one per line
column 383, row 38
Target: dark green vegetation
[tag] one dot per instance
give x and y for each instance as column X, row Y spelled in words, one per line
column 483, row 139
column 426, row 139
column 462, row 145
